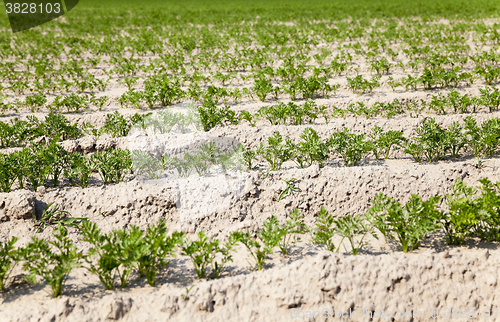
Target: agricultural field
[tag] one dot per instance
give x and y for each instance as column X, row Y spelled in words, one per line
column 252, row 161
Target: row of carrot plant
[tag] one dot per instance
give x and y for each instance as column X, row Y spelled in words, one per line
column 471, row 212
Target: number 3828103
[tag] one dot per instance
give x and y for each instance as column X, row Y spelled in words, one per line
column 33, row 8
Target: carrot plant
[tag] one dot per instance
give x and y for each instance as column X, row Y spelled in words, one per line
column 464, row 213
column 36, row 163
column 112, row 165
column 489, row 200
column 276, row 152
column 116, row 253
column 8, row 171
column 203, row 254
column 79, row 171
column 8, row 260
column 145, row 164
column 54, row 266
column 354, row 229
column 289, row 231
column 54, row 216
column 350, row 146
column 289, row 188
column 212, row 116
column 261, row 244
column 407, row 225
column 323, row 234
column 359, row 85
column 384, row 142
column 311, row 149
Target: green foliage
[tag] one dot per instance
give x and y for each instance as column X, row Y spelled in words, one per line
column 262, row 87
column 383, row 142
column 8, row 171
column 490, row 213
column 276, row 152
column 261, row 245
column 407, row 225
column 456, row 139
column 132, row 98
column 350, row 146
column 324, row 231
column 289, row 188
column 60, row 161
column 311, row 149
column 203, row 254
column 112, row 165
column 393, row 83
column 249, row 156
column 165, row 120
column 20, row 132
column 359, row 85
column 54, row 216
column 275, row 114
column 432, row 137
column 35, row 102
column 79, row 171
column 117, row 125
column 161, row 89
column 73, row 103
column 464, row 213
column 490, row 97
column 291, row 112
column 54, row 267
column 99, row 101
column 212, row 116
column 126, row 243
column 35, row 163
column 183, row 166
column 8, row 260
column 350, row 227
column 288, row 232
column 117, row 252
column 473, row 133
column 381, row 66
column 56, row 125
column 145, row 164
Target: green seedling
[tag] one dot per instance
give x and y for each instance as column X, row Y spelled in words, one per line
column 464, row 213
column 8, row 260
column 145, row 164
column 117, row 253
column 324, row 231
column 127, row 246
column 350, row 146
column 54, row 267
column 80, row 170
column 203, row 253
column 384, row 142
column 288, row 232
column 289, row 188
column 407, row 225
column 54, row 216
column 112, row 165
column 269, row 237
column 99, row 101
column 276, row 152
column 7, row 171
column 249, row 156
column 311, row 149
column 35, row 102
column 350, row 227
column 184, row 166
